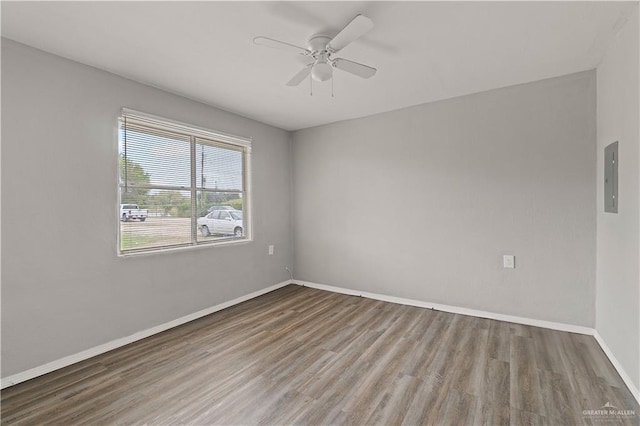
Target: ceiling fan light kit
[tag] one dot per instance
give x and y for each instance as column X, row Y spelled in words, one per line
column 322, row 69
column 320, row 50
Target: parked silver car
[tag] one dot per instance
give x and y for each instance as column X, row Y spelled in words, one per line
column 225, row 222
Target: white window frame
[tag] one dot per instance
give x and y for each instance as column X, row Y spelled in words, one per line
column 193, row 132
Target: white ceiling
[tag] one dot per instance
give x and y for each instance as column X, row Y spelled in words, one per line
column 424, row 51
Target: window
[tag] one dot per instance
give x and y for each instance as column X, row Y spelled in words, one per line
column 179, row 185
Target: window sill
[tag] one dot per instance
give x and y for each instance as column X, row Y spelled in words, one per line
column 152, row 252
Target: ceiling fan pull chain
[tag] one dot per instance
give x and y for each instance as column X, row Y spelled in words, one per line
column 310, row 85
column 332, row 87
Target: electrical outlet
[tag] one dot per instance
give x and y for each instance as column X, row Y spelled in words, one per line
column 508, row 261
column 271, row 250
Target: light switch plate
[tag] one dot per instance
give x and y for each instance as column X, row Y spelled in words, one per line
column 508, row 261
column 270, row 250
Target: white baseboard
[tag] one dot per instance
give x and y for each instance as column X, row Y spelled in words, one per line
column 625, row 377
column 453, row 309
column 97, row 350
column 491, row 315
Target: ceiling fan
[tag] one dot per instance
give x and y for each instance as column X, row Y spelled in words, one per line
column 321, row 50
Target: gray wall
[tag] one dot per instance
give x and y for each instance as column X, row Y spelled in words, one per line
column 423, row 202
column 63, row 287
column 618, row 276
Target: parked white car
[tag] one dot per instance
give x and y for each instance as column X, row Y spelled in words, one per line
column 226, row 222
column 131, row 211
column 212, row 208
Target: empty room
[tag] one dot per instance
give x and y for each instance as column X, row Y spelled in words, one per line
column 320, row 213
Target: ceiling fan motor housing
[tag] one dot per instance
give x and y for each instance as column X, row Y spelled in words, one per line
column 318, row 43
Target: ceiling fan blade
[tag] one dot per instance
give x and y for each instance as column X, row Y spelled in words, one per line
column 354, row 68
column 281, row 45
column 354, row 29
column 300, row 76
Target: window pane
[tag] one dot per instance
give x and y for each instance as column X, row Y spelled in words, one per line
column 153, row 157
column 163, row 219
column 218, row 168
column 220, row 216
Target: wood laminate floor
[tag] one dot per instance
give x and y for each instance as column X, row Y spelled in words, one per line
column 304, row 356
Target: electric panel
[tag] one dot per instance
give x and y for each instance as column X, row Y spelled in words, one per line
column 611, row 178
